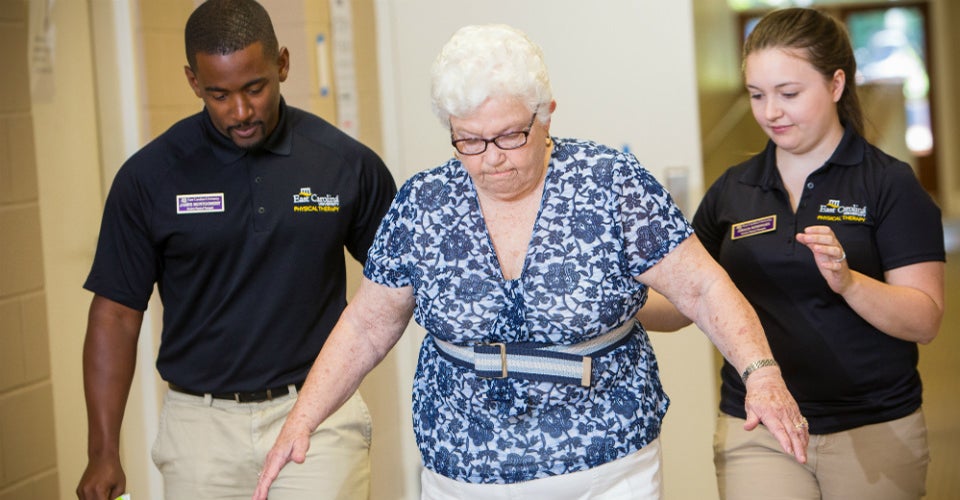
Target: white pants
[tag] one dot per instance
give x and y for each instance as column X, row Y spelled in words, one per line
column 634, row 477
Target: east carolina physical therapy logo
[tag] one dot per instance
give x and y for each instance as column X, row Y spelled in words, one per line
column 834, row 211
column 306, row 201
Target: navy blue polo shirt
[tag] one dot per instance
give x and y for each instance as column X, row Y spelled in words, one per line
column 843, row 372
column 245, row 247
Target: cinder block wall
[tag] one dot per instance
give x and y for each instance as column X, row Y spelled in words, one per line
column 28, row 460
column 168, row 97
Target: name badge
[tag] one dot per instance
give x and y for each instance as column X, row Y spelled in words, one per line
column 753, row 227
column 203, row 203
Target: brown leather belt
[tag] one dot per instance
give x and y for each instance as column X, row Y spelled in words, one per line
column 242, row 397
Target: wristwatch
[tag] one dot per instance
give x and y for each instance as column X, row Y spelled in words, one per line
column 756, row 365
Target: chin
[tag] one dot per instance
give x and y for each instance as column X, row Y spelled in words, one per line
column 784, row 143
column 250, row 144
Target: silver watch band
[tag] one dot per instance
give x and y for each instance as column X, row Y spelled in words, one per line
column 756, row 365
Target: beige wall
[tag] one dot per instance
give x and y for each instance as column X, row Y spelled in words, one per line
column 167, row 96
column 28, row 460
column 68, row 198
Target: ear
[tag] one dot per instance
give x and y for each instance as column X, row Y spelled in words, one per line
column 838, row 83
column 283, row 63
column 192, row 80
column 553, row 107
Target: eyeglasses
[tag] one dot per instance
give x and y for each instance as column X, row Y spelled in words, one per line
column 476, row 145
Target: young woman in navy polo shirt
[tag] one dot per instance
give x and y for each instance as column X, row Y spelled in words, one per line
column 840, row 251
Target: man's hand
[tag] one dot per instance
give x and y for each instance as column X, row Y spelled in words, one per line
column 102, row 480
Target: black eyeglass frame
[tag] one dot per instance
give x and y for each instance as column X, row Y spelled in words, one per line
column 486, row 142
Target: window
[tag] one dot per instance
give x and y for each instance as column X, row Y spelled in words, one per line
column 889, row 44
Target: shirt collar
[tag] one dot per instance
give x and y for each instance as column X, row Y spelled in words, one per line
column 279, row 142
column 851, row 149
column 764, row 173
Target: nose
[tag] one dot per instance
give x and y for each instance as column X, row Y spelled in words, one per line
column 771, row 110
column 242, row 108
column 493, row 156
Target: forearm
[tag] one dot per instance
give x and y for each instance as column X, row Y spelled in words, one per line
column 730, row 323
column 659, row 315
column 106, row 388
column 109, row 359
column 369, row 327
column 702, row 291
column 346, row 358
column 907, row 303
column 904, row 312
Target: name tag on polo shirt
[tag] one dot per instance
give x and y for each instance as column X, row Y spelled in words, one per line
column 201, row 203
column 753, row 227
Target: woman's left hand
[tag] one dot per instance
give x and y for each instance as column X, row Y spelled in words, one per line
column 291, row 446
column 768, row 402
column 829, row 255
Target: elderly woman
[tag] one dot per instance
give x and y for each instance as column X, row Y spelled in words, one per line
column 525, row 257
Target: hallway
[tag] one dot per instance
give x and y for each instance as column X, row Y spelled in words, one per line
column 940, row 369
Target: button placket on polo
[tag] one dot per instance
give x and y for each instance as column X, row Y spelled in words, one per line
column 799, row 215
column 789, row 223
column 259, row 195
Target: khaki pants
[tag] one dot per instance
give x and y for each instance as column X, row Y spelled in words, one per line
column 636, row 477
column 885, row 461
column 213, row 449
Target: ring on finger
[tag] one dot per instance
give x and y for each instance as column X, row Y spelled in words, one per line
column 842, row 257
column 802, row 424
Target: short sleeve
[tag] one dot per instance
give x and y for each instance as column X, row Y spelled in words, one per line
column 388, row 261
column 125, row 266
column 909, row 224
column 652, row 223
column 376, row 191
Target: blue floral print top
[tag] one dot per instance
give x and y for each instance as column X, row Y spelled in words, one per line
column 603, row 220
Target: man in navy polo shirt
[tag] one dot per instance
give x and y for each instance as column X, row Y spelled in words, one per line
column 239, row 214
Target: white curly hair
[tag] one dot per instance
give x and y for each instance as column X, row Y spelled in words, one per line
column 484, row 61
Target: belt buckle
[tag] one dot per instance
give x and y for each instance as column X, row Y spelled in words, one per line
column 253, row 397
column 503, row 358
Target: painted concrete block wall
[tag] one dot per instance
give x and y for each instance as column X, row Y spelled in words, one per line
column 28, row 454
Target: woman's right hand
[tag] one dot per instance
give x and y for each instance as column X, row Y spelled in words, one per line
column 291, row 445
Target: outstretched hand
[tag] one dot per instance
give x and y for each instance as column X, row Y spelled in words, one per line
column 291, row 446
column 769, row 402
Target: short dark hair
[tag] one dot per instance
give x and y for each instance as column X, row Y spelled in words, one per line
column 226, row 26
column 826, row 44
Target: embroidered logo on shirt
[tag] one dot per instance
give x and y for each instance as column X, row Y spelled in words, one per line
column 200, row 203
column 834, row 211
column 753, row 227
column 307, row 201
